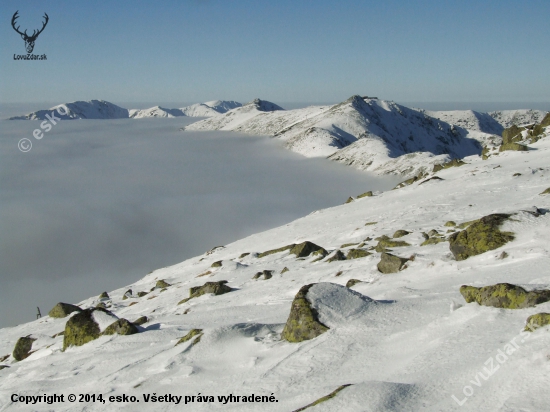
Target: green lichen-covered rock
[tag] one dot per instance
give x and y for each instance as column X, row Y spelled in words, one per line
column 104, row 295
column 357, row 253
column 400, row 233
column 302, row 323
column 480, row 237
column 348, row 245
column 141, row 320
column 278, row 250
column 22, row 348
column 464, row 225
column 485, row 153
column 121, row 327
column 366, row 194
column 546, row 192
column 513, row 146
column 352, row 282
column 512, row 134
column 452, row 163
column 285, row 269
column 243, row 255
column 127, row 294
column 433, row 241
column 265, row 275
column 350, row 199
column 537, row 321
column 82, row 328
column 504, row 295
column 390, row 263
column 217, row 288
column 62, row 310
column 384, row 242
column 546, row 121
column 216, row 264
column 305, row 249
column 370, row 223
column 338, row 255
column 450, row 223
column 101, row 305
column 142, row 294
column 407, row 182
column 162, row 284
column 192, row 333
column 324, row 398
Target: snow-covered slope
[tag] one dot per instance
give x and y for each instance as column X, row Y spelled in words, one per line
column 375, row 133
column 410, row 344
column 100, row 109
column 94, row 109
column 508, row 118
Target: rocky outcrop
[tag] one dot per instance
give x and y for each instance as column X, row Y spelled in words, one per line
column 385, row 242
column 400, row 233
column 141, row 320
column 390, row 263
column 452, row 163
column 161, row 284
column 83, row 328
column 537, row 321
column 546, row 192
column 357, row 253
column 352, row 282
column 217, row 264
column 264, row 275
column 22, row 348
column 62, row 310
column 104, row 295
column 302, row 323
column 338, row 255
column 504, row 295
column 278, row 250
column 513, row 146
column 216, row 288
column 306, row 248
column 481, row 236
column 192, row 333
column 121, row 327
column 366, row 194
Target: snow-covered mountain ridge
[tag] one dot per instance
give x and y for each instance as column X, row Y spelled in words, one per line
column 404, row 341
column 100, row 109
column 372, row 134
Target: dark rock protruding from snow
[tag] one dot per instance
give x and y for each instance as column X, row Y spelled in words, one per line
column 504, row 295
column 480, row 237
column 264, row 105
column 217, row 288
column 86, row 326
column 302, row 323
column 121, row 327
column 141, row 320
column 307, row 248
column 62, row 310
column 390, row 263
column 22, row 348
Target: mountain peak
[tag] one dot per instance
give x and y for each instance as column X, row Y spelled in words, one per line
column 264, row 105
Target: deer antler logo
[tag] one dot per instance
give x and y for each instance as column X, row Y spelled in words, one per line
column 29, row 40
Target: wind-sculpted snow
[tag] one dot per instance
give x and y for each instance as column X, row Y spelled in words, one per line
column 376, row 133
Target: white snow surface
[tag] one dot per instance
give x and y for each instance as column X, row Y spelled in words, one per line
column 103, row 319
column 403, row 351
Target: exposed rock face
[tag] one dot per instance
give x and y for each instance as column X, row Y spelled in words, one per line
column 121, row 327
column 504, row 295
column 306, row 248
column 82, row 328
column 452, row 163
column 385, row 242
column 302, row 323
column 450, row 223
column 104, row 295
column 142, row 294
column 352, row 282
column 141, row 320
column 390, row 263
column 217, row 288
column 216, row 264
column 481, row 236
column 62, row 310
column 357, row 253
column 513, row 146
column 22, row 348
column 337, row 256
column 400, row 233
column 243, row 255
column 162, row 284
column 512, row 134
column 278, row 250
column 537, row 321
column 192, row 333
column 266, row 274
column 433, row 241
column 366, row 194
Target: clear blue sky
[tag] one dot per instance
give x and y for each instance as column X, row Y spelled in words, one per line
column 283, row 51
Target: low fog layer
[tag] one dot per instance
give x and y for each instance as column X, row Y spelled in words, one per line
column 96, row 205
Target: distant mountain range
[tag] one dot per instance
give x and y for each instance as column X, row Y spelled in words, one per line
column 100, row 109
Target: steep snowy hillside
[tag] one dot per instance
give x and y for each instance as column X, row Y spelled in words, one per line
column 376, row 133
column 359, row 306
column 94, row 109
column 508, row 118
